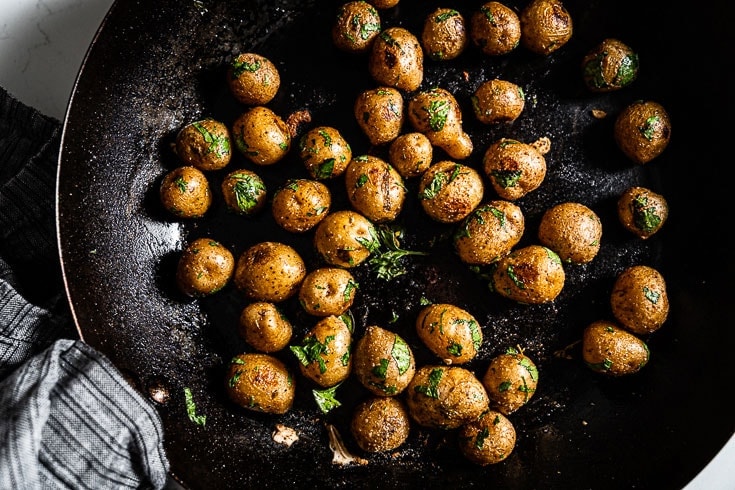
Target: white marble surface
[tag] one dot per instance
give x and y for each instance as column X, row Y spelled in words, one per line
column 42, row 46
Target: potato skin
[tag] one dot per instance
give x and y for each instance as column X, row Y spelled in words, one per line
column 489, row 232
column 572, row 230
column 253, row 79
column 244, row 192
column 269, row 271
column 300, row 204
column 445, row 397
column 327, row 291
column 498, row 101
column 642, row 131
column 355, row 27
column 324, row 354
column 380, row 424
column 396, row 59
column 410, row 154
column 487, row 440
column 345, row 238
column 383, row 362
column 261, row 383
column 545, row 26
column 639, row 300
column 185, row 192
column 264, row 327
column 642, row 211
column 375, row 188
column 444, row 35
column 531, row 275
column 205, row 144
column 325, row 152
column 379, row 113
column 436, row 113
column 495, row 29
column 613, row 351
column 510, row 380
column 450, row 191
column 261, row 136
column 513, row 168
column 450, row 332
column 611, row 65
column 204, row 267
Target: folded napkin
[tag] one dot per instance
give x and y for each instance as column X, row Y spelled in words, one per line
column 68, row 418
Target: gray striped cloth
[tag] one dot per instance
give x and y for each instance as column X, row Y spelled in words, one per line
column 68, row 418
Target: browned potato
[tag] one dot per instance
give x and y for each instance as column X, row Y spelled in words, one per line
column 300, row 204
column 450, row 191
column 513, row 168
column 611, row 65
column 383, row 361
column 261, row 383
column 639, row 299
column 379, row 113
column 572, row 230
column 244, row 192
column 325, row 152
column 380, row 424
column 498, row 101
column 384, row 4
column 436, row 113
column 204, row 267
column 396, row 59
column 411, row 154
column 487, row 440
column 531, row 275
column 355, row 27
column 545, row 26
column 345, row 238
column 489, row 232
column 269, row 271
column 495, row 28
column 185, row 192
column 261, row 136
column 642, row 211
column 253, row 79
column 327, row 291
column 444, row 36
column 324, row 354
column 643, row 130
column 374, row 188
column 611, row 350
column 445, row 397
column 450, row 332
column 205, row 144
column 510, row 380
column 264, row 327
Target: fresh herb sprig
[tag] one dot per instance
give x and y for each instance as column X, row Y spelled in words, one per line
column 386, row 260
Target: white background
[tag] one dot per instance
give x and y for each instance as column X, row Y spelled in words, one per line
column 42, row 46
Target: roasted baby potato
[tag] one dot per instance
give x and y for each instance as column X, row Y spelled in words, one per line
column 498, row 101
column 545, row 26
column 325, row 152
column 355, row 27
column 530, row 275
column 324, row 354
column 396, row 59
column 450, row 191
column 374, row 188
column 300, row 204
column 261, row 136
column 444, row 35
column 204, row 267
column 379, row 113
column 244, row 192
column 450, row 332
column 572, row 230
column 345, row 238
column 445, row 397
column 436, row 113
column 513, row 168
column 380, row 424
column 639, row 299
column 383, row 362
column 411, row 154
column 510, row 380
column 611, row 65
column 489, row 232
column 611, row 350
column 269, row 271
column 495, row 28
column 264, row 327
column 185, row 192
column 205, row 144
column 261, row 383
column 642, row 211
column 488, row 440
column 327, row 291
column 642, row 130
column 253, row 79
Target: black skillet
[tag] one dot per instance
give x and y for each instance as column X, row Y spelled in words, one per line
column 155, row 66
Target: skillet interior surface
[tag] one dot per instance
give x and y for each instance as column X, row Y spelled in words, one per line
column 156, row 66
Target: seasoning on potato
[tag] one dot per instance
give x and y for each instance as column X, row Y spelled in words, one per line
column 450, row 191
column 396, row 59
column 444, row 35
column 611, row 65
column 513, row 168
column 345, row 238
column 510, row 380
column 546, row 26
column 261, row 136
column 530, row 275
column 244, row 192
column 324, row 354
column 380, row 424
column 327, row 291
column 300, row 204
column 375, row 188
column 261, row 383
column 498, row 101
column 269, row 271
column 253, row 79
column 642, row 211
column 436, row 113
column 264, row 327
column 488, row 440
column 325, row 152
column 379, row 113
column 205, row 144
column 572, row 230
column 410, row 154
column 612, row 350
column 639, row 299
column 450, row 332
column 185, row 192
column 383, row 362
column 642, row 130
column 204, row 267
column 489, row 232
column 356, row 25
column 495, row 28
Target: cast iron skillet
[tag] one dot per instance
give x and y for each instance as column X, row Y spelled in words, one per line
column 155, row 66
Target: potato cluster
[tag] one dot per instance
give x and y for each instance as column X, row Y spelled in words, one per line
column 415, row 133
